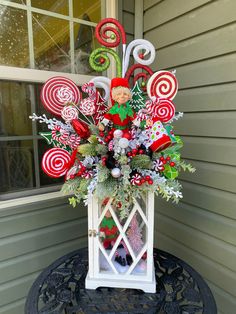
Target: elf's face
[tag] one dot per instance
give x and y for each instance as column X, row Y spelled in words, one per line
column 121, row 96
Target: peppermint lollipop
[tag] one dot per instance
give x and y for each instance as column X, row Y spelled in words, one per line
column 136, row 179
column 87, row 107
column 69, row 113
column 56, row 92
column 55, row 162
column 164, row 110
column 162, row 84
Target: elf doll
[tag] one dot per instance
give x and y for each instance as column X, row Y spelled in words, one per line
column 120, row 114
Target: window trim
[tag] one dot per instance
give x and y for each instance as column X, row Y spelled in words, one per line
column 38, row 76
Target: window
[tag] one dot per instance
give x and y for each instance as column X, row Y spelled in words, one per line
column 38, row 39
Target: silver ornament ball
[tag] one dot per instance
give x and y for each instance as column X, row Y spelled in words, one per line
column 123, row 142
column 115, row 172
column 118, row 134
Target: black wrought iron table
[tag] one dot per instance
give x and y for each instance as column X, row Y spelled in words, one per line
column 60, row 289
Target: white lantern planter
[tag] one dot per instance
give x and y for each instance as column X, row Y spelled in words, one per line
column 104, row 271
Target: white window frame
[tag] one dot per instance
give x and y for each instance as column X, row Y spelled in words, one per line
column 109, row 8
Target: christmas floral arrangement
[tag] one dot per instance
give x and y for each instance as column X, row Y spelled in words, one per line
column 119, row 144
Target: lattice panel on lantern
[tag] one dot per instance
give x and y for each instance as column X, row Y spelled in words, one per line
column 121, row 249
column 123, row 243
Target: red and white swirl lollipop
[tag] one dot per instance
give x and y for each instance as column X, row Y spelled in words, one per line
column 87, row 107
column 69, row 113
column 55, row 162
column 56, row 92
column 164, row 110
column 162, row 84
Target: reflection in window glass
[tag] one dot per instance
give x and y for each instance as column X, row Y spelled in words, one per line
column 90, row 8
column 15, row 108
column 51, row 43
column 16, row 163
column 14, row 49
column 19, row 169
column 85, row 43
column 59, row 6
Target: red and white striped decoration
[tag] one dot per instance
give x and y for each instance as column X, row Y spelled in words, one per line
column 73, row 141
column 158, row 165
column 87, row 174
column 55, row 162
column 58, row 91
column 69, row 113
column 136, row 179
column 162, row 85
column 90, row 89
column 163, row 109
column 87, row 107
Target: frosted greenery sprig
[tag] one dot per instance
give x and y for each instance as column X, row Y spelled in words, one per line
column 186, row 166
column 51, row 123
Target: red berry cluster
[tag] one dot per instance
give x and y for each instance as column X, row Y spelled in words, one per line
column 145, row 179
column 167, row 160
column 107, row 137
column 104, row 159
column 135, row 152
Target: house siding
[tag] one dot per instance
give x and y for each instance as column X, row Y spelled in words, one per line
column 32, row 236
column 198, row 39
column 126, row 17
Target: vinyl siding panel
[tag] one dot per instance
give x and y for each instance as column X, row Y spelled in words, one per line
column 126, row 17
column 32, row 236
column 197, row 38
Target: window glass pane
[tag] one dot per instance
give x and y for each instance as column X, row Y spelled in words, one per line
column 16, row 164
column 89, row 10
column 14, row 49
column 85, row 43
column 51, row 43
column 15, row 108
column 58, row 6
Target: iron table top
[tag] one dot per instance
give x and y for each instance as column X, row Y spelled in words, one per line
column 60, row 289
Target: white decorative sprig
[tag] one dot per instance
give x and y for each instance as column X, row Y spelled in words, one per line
column 51, row 123
column 176, row 117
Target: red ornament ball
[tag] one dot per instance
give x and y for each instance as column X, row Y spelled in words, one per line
column 172, row 164
column 141, row 56
column 168, row 158
column 162, row 158
column 102, row 60
column 150, row 181
column 147, row 178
